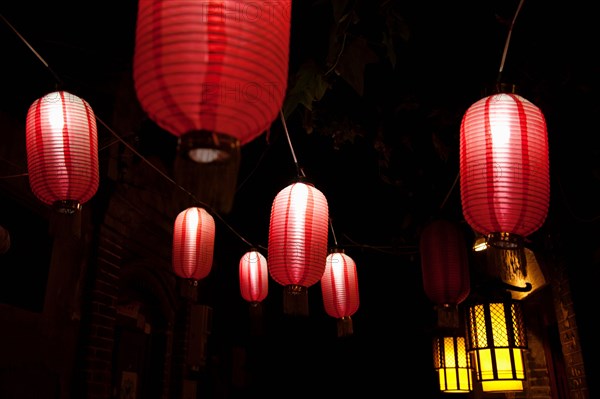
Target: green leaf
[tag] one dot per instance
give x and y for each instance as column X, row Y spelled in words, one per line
column 352, row 62
column 309, row 85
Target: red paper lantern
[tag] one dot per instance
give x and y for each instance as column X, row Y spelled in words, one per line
column 254, row 277
column 62, row 150
column 193, row 243
column 208, row 68
column 444, row 263
column 504, row 167
column 297, row 251
column 339, row 288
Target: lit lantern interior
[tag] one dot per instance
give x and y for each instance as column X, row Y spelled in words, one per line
column 497, row 340
column 452, row 364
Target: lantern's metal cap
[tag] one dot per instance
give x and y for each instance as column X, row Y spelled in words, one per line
column 205, row 147
column 68, row 207
column 500, row 87
column 504, row 240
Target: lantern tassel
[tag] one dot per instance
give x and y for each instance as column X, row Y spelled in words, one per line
column 345, row 326
column 295, row 300
column 255, row 312
column 447, row 317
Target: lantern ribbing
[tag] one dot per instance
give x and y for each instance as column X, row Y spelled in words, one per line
column 193, row 243
column 339, row 289
column 504, row 166
column 297, row 250
column 444, row 263
column 214, row 66
column 62, row 150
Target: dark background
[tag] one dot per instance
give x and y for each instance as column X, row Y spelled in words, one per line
column 383, row 148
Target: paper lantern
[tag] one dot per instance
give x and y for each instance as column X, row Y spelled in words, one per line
column 339, row 288
column 193, row 243
column 62, row 151
column 452, row 363
column 254, row 287
column 297, row 250
column 497, row 338
column 254, row 277
column 444, row 263
column 213, row 73
column 504, row 168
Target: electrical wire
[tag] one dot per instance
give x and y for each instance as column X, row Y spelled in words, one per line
column 118, row 138
column 506, row 44
column 498, row 80
column 287, row 135
column 39, row 57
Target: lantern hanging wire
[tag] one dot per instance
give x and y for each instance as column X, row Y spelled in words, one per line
column 39, row 57
column 498, row 82
column 506, row 44
column 299, row 170
column 59, row 83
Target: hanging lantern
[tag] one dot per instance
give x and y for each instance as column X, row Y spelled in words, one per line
column 504, row 168
column 339, row 288
column 193, row 244
column 254, row 277
column 254, row 285
column 297, row 250
column 212, row 73
column 62, row 151
column 445, row 268
column 452, row 363
column 497, row 338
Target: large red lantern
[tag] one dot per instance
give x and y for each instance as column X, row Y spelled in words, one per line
column 62, row 150
column 297, row 250
column 339, row 288
column 444, row 263
column 213, row 73
column 504, row 168
column 193, row 243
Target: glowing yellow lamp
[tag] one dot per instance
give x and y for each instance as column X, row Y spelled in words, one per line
column 496, row 339
column 451, row 361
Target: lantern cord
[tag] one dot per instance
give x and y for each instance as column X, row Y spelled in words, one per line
column 335, row 243
column 443, row 204
column 14, row 176
column 58, row 80
column 389, row 250
column 512, row 24
column 287, row 134
column 160, row 172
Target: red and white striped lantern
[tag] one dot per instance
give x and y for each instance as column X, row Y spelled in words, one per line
column 193, row 243
column 254, row 277
column 297, row 250
column 62, row 150
column 504, row 167
column 212, row 66
column 339, row 288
